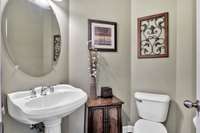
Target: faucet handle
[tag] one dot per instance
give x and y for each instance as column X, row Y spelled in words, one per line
column 33, row 92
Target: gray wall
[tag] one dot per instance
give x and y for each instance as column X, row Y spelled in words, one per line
column 155, row 75
column 15, row 80
column 114, row 67
column 175, row 75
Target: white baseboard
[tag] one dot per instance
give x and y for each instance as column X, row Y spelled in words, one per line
column 128, row 129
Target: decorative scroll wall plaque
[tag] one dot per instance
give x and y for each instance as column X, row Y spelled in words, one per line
column 153, row 36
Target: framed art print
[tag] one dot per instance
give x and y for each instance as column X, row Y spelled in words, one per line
column 153, row 36
column 103, row 35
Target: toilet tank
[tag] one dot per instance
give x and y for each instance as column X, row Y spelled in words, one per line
column 153, row 107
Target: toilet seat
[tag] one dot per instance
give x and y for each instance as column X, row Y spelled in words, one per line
column 146, row 126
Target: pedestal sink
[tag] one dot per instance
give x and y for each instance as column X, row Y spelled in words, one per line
column 49, row 109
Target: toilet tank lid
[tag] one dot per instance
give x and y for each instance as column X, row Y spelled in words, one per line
column 152, row 97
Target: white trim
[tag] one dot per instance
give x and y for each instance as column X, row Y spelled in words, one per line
column 1, row 7
column 128, row 129
column 2, row 110
column 198, row 48
column 196, row 120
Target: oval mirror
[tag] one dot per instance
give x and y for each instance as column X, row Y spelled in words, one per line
column 31, row 35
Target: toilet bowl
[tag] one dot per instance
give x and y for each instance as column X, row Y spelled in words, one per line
column 146, row 126
column 153, row 110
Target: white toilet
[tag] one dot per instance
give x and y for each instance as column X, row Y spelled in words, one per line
column 153, row 110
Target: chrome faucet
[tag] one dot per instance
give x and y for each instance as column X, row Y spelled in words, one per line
column 44, row 91
column 33, row 93
column 47, row 89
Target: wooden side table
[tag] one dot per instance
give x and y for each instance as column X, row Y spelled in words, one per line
column 104, row 115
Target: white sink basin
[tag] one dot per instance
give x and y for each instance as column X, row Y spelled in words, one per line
column 48, row 109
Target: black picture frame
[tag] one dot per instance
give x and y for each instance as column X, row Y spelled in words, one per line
column 110, row 33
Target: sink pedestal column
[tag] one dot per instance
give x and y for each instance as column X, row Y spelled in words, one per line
column 53, row 126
